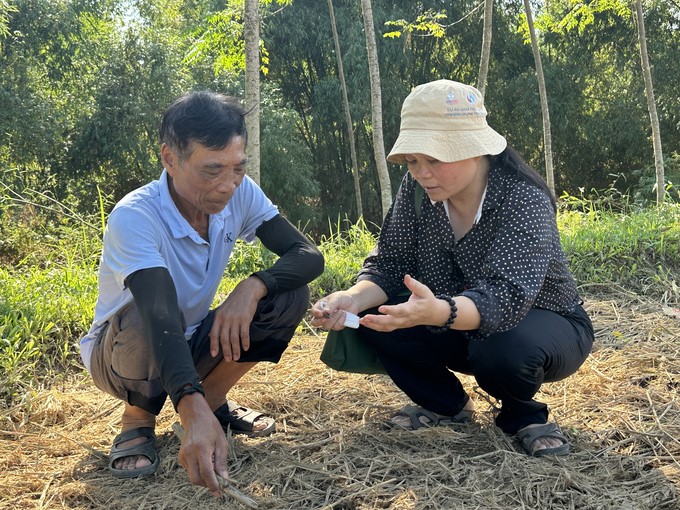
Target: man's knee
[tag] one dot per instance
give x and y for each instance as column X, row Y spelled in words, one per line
column 121, row 363
column 285, row 309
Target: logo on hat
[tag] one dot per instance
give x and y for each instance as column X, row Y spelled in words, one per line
column 471, row 98
column 451, row 99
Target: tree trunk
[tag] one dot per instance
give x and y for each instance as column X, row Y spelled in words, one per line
column 547, row 137
column 251, row 35
column 376, row 107
column 651, row 105
column 486, row 46
column 348, row 115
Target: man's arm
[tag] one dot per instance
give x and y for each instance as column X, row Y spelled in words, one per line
column 156, row 299
column 299, row 260
column 204, row 447
column 299, row 263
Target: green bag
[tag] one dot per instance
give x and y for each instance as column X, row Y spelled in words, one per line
column 345, row 351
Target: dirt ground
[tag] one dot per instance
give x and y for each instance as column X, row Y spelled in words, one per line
column 620, row 411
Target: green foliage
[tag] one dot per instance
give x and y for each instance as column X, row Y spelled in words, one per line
column 92, row 78
column 344, row 249
column 581, row 14
column 42, row 315
column 610, row 243
column 220, row 40
column 428, row 23
column 287, row 173
column 5, row 9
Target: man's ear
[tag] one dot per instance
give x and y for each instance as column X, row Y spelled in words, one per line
column 169, row 158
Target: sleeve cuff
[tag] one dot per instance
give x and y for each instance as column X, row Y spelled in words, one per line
column 269, row 282
column 186, row 389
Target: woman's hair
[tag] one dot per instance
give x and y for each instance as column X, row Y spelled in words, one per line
column 510, row 161
column 207, row 118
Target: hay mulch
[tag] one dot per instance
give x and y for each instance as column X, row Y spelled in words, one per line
column 620, row 410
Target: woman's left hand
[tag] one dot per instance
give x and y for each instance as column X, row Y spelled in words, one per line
column 422, row 308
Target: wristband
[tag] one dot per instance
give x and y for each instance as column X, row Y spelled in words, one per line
column 187, row 389
column 452, row 318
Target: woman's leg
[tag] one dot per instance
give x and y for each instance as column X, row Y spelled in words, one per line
column 511, row 366
column 416, row 360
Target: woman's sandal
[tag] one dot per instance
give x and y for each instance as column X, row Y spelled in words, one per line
column 241, row 420
column 414, row 414
column 528, row 435
column 146, row 449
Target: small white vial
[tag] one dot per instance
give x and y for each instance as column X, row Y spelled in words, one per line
column 351, row 320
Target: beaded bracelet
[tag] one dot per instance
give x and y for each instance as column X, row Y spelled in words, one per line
column 452, row 317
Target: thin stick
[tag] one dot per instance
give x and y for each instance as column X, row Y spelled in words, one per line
column 226, row 486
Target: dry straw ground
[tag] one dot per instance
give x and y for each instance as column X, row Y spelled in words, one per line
column 620, row 410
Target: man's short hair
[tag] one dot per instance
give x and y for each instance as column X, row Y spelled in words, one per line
column 208, row 118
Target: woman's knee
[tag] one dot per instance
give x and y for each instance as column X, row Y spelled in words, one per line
column 508, row 361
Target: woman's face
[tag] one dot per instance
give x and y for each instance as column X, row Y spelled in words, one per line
column 444, row 181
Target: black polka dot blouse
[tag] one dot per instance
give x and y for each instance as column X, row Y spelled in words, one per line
column 510, row 261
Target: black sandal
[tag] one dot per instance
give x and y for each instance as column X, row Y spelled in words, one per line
column 146, row 449
column 241, row 420
column 414, row 413
column 528, row 435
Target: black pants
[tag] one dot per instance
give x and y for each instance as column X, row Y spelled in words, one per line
column 510, row 366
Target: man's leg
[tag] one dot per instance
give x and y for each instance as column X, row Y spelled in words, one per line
column 134, row 417
column 274, row 324
column 223, row 378
column 119, row 367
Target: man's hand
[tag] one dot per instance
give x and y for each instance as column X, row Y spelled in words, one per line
column 231, row 328
column 204, row 446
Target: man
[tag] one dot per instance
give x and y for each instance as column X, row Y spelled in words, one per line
column 166, row 247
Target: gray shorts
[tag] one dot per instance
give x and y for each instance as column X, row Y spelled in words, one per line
column 122, row 365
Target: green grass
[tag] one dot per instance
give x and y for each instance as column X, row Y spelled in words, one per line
column 48, row 275
column 637, row 250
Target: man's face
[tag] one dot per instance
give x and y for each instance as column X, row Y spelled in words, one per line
column 205, row 181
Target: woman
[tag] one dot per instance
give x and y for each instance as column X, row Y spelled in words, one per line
column 490, row 291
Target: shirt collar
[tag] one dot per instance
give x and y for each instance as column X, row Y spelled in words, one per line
column 479, row 209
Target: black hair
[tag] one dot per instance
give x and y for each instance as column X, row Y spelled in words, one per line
column 208, row 118
column 511, row 161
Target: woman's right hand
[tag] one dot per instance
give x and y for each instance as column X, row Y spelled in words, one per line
column 329, row 312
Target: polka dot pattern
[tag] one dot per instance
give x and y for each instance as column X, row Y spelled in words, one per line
column 509, row 262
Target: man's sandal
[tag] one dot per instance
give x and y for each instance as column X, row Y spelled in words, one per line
column 414, row 413
column 241, row 420
column 528, row 435
column 146, row 449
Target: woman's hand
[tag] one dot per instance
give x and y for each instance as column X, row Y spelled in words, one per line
column 329, row 312
column 422, row 308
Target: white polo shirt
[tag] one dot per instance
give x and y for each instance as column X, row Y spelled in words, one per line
column 145, row 230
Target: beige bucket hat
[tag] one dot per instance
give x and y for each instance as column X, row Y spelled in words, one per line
column 445, row 120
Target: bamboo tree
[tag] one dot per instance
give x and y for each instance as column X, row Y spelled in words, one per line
column 486, row 46
column 651, row 105
column 376, row 107
column 348, row 115
column 547, row 137
column 251, row 35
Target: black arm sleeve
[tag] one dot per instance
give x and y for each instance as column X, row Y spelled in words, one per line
column 156, row 299
column 299, row 260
